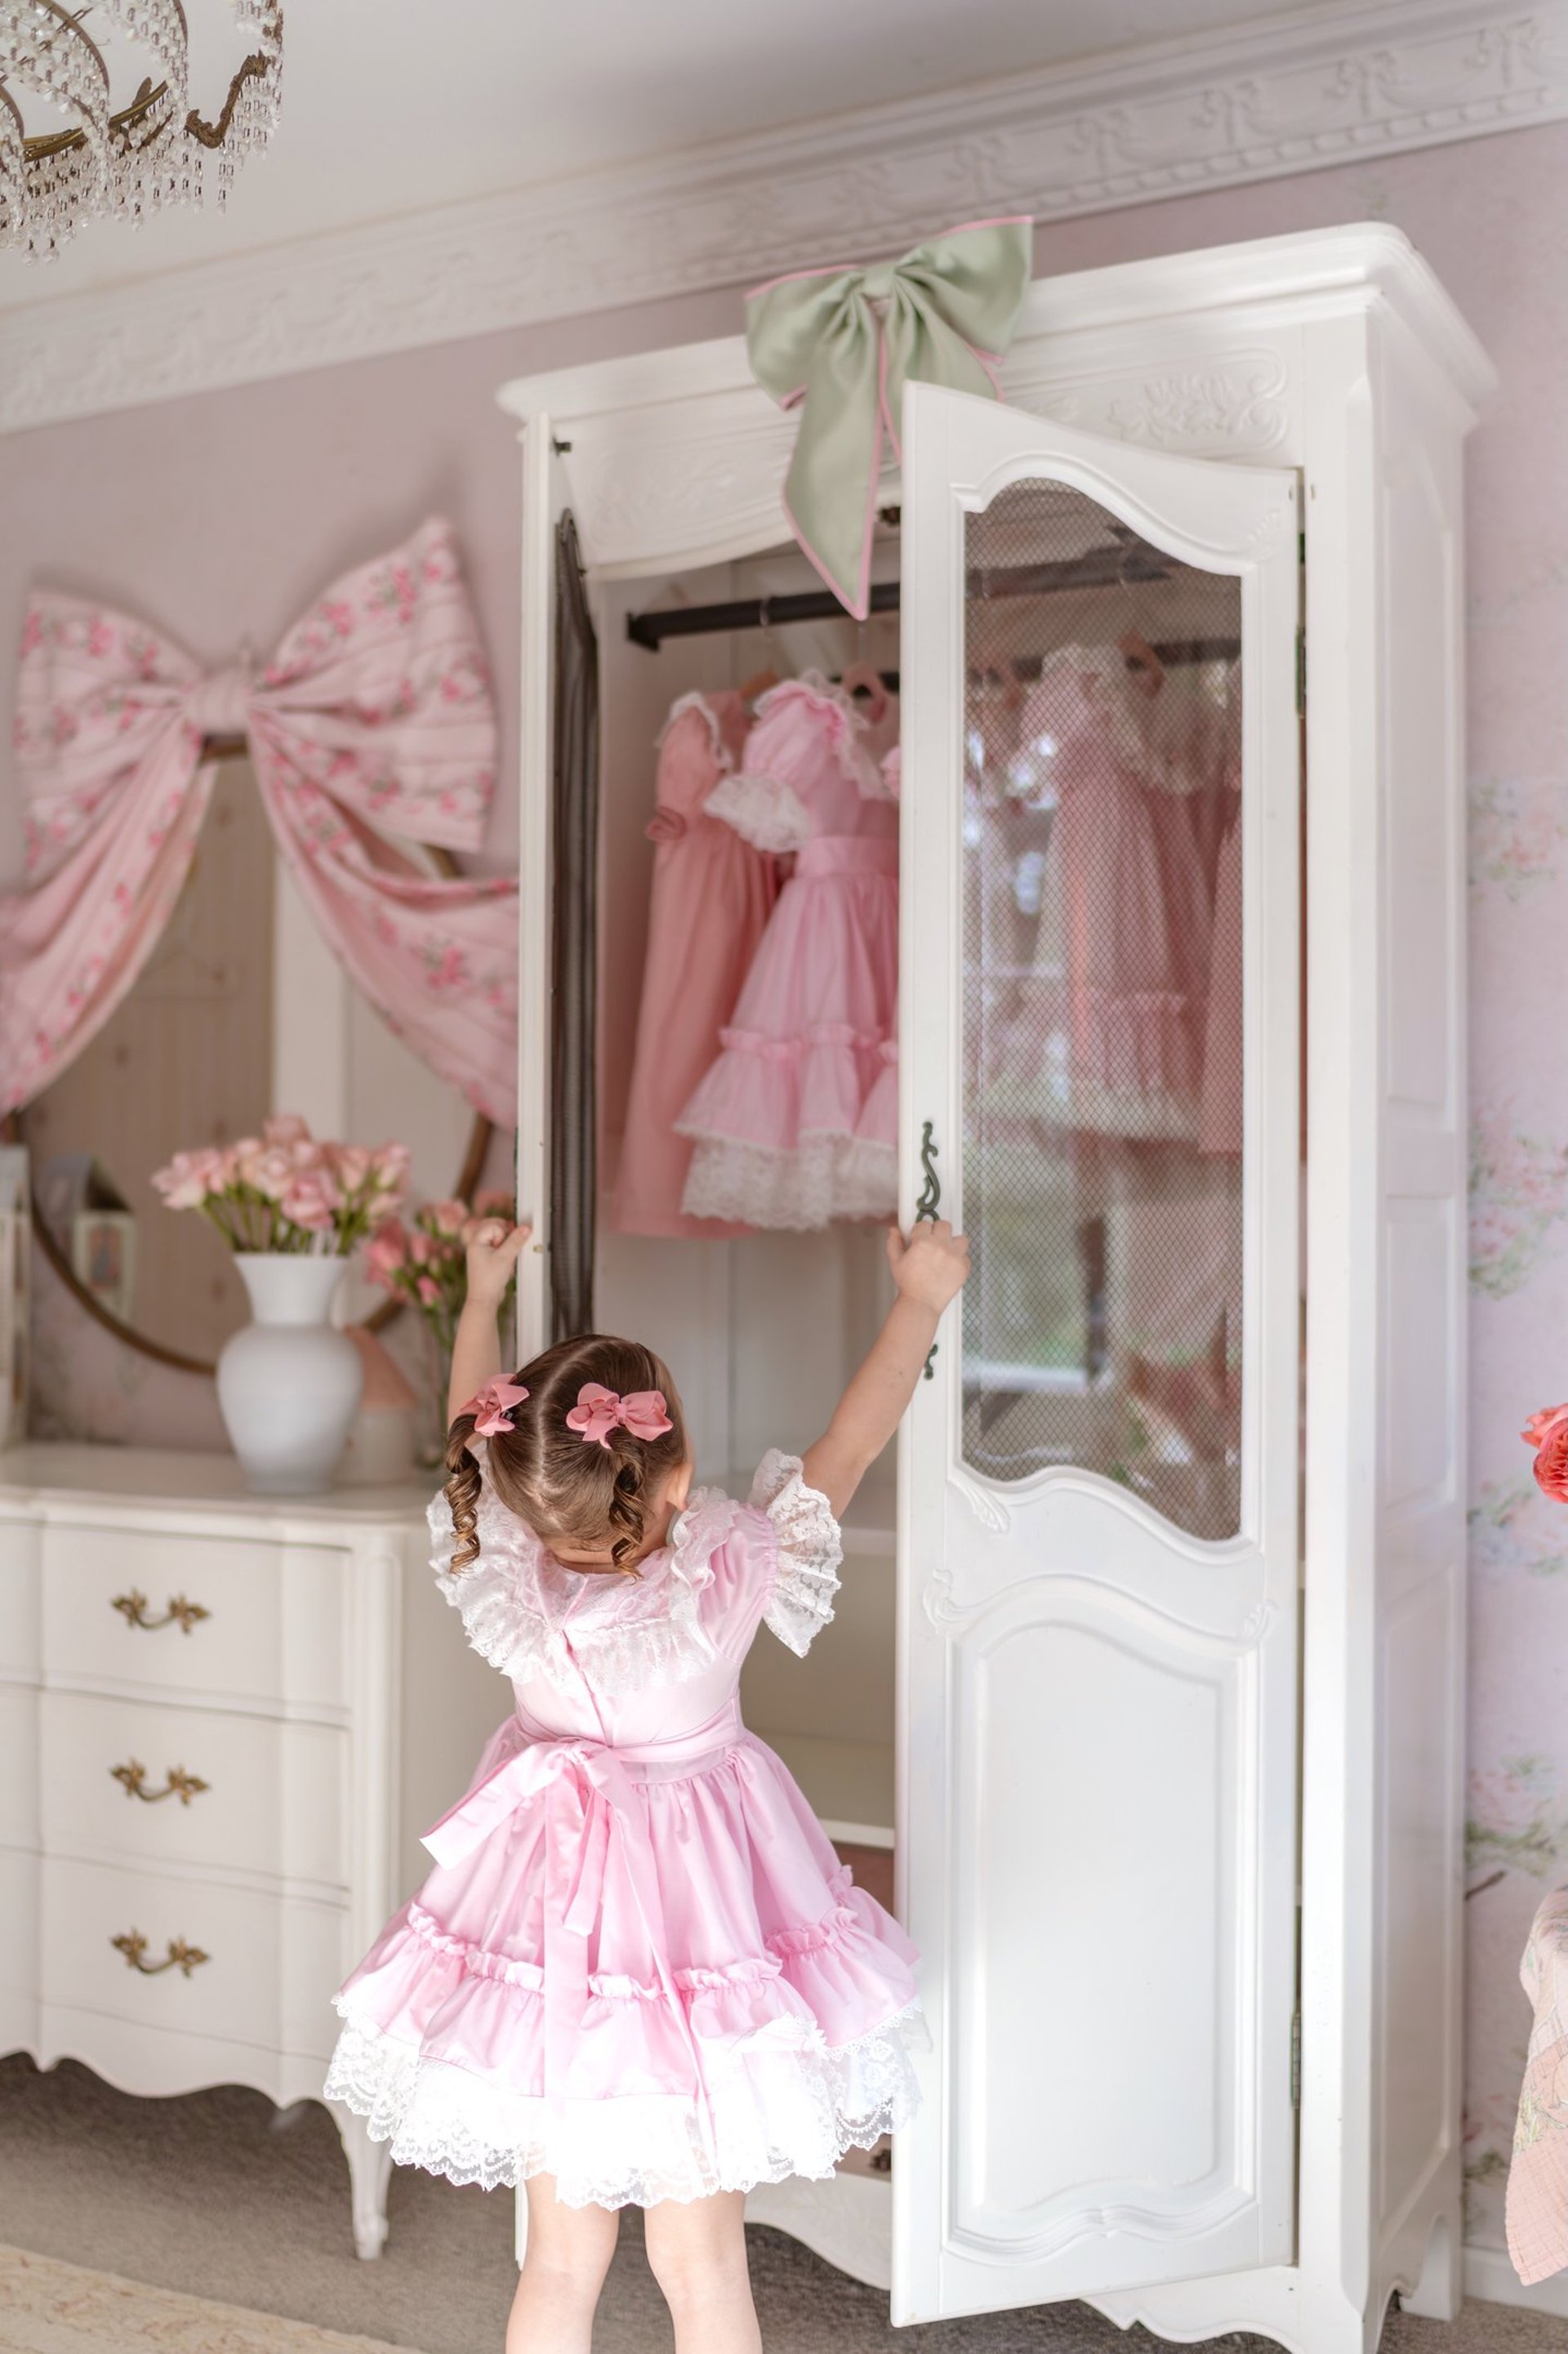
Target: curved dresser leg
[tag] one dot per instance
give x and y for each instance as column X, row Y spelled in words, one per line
column 369, row 2172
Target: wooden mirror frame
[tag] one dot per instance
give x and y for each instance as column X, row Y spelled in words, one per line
column 230, row 748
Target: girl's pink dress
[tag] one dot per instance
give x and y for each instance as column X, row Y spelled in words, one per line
column 712, row 893
column 796, row 1122
column 639, row 1966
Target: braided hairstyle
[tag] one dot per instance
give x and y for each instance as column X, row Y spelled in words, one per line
column 568, row 1490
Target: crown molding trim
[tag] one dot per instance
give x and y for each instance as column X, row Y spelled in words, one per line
column 1337, row 84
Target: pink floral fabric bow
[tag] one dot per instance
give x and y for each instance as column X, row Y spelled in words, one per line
column 600, row 1411
column 375, row 717
column 491, row 1407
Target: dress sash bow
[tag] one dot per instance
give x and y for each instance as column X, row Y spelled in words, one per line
column 842, row 343
column 586, row 1790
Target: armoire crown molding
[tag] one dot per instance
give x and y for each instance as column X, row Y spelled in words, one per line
column 1339, row 83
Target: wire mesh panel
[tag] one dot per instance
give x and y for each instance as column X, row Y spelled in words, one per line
column 1102, row 960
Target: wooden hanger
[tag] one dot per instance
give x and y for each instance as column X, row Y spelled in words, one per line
column 760, row 682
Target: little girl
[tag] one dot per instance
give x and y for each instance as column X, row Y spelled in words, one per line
column 639, row 1974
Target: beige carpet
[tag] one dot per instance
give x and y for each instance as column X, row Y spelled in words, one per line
column 215, row 2198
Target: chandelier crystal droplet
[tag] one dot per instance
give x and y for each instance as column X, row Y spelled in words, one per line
column 102, row 161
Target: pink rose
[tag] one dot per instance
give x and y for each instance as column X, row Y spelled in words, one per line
column 1547, row 1432
column 388, row 1254
column 422, row 1251
column 187, row 1181
column 286, row 1128
column 310, row 1201
column 271, row 1173
column 493, row 1203
column 428, row 1291
column 351, row 1165
column 446, row 1217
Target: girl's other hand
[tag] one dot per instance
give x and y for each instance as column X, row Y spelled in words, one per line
column 493, row 1246
column 932, row 1267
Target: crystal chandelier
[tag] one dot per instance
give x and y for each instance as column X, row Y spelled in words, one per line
column 119, row 162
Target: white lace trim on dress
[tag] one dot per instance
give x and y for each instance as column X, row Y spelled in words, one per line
column 696, row 701
column 800, row 1187
column 764, row 810
column 810, row 1547
column 783, row 2102
column 624, row 1638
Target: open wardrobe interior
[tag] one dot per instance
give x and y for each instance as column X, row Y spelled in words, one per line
column 1106, row 788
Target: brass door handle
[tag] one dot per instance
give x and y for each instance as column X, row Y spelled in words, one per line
column 132, row 1609
column 178, row 1956
column 178, row 1784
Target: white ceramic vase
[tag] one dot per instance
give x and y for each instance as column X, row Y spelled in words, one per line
column 289, row 1382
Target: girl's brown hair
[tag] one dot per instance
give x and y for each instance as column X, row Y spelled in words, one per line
column 570, row 1490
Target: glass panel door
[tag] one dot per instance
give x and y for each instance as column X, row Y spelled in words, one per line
column 1097, row 1546
column 1102, row 1014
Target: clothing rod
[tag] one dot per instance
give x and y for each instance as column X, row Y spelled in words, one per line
column 1113, row 569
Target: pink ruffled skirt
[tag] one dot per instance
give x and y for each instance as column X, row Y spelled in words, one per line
column 650, row 1979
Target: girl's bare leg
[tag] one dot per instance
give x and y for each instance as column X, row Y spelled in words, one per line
column 568, row 2255
column 697, row 2252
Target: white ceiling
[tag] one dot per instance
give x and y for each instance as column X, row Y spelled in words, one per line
column 391, row 107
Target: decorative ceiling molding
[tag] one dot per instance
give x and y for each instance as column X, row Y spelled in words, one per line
column 1292, row 93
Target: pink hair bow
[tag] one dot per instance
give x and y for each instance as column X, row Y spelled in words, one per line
column 600, row 1411
column 492, row 1408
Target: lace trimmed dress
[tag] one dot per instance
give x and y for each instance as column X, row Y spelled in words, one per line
column 712, row 894
column 795, row 1122
column 638, row 1966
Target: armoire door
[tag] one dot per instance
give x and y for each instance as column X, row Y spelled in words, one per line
column 1098, row 1525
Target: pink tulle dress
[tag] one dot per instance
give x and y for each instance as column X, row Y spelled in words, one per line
column 639, row 1966
column 712, row 893
column 795, row 1124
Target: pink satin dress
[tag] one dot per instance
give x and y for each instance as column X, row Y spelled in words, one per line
column 795, row 1122
column 712, row 894
column 639, row 1966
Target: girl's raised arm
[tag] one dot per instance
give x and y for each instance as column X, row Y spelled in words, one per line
column 492, row 1248
column 929, row 1269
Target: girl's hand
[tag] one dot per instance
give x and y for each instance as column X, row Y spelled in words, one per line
column 932, row 1267
column 493, row 1246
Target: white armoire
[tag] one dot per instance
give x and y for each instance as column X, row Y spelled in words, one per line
column 1151, row 1668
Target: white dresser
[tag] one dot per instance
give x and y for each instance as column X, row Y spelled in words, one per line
column 224, row 1721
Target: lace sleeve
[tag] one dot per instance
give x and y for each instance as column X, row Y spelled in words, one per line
column 494, row 1595
column 810, row 1550
column 764, row 810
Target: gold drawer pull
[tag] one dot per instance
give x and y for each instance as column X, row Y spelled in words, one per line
column 178, row 1784
column 132, row 1609
column 179, row 1956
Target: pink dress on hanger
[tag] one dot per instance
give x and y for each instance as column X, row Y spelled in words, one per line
column 1124, row 884
column 712, row 893
column 638, row 1966
column 795, row 1123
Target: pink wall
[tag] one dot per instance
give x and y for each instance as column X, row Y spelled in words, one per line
column 219, row 517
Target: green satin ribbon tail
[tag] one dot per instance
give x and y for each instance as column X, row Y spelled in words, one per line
column 844, row 342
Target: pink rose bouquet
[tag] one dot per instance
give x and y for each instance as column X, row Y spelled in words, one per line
column 286, row 1191
column 1547, row 1432
column 425, row 1262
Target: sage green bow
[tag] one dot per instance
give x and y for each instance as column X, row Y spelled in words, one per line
column 844, row 342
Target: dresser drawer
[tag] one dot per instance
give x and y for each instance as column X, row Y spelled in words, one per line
column 213, row 1617
column 18, row 1765
column 142, row 1781
column 257, row 1969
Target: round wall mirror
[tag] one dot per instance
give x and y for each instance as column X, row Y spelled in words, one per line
column 204, row 1047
